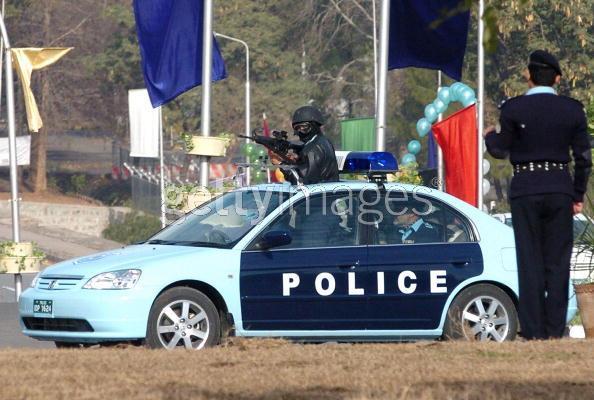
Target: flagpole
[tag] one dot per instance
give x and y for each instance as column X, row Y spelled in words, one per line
column 440, row 169
column 383, row 77
column 14, row 189
column 374, row 56
column 161, row 169
column 481, row 101
column 206, row 86
column 1, row 58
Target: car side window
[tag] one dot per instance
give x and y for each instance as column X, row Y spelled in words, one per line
column 456, row 228
column 408, row 219
column 328, row 220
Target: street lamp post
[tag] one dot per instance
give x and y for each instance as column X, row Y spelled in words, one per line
column 247, row 93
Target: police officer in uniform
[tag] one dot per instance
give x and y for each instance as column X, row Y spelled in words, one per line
column 409, row 227
column 316, row 162
column 538, row 131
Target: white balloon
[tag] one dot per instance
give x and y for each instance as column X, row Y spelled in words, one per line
column 486, row 166
column 486, row 186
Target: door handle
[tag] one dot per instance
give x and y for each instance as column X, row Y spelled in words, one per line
column 461, row 263
column 349, row 266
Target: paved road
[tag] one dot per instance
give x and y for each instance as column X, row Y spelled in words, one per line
column 58, row 244
column 10, row 331
column 7, row 287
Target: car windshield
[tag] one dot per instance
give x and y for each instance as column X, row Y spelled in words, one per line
column 223, row 221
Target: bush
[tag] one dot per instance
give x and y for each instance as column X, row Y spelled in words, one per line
column 407, row 173
column 78, row 183
column 136, row 227
column 110, row 192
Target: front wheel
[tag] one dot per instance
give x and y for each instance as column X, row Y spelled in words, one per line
column 183, row 317
column 482, row 313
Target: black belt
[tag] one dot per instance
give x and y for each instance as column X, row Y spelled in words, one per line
column 539, row 166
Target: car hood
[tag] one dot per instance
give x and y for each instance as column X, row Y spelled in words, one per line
column 136, row 256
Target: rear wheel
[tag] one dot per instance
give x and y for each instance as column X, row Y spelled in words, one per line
column 183, row 317
column 482, row 313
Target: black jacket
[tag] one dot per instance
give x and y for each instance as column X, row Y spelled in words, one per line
column 316, row 163
column 544, row 127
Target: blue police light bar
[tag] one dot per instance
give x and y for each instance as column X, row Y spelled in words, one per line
column 366, row 162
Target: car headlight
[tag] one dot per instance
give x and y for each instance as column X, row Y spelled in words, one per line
column 35, row 280
column 124, row 279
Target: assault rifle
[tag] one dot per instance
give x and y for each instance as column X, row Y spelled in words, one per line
column 278, row 143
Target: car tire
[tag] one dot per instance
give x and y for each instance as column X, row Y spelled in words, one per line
column 183, row 317
column 481, row 312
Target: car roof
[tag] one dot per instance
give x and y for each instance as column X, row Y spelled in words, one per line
column 326, row 187
column 331, row 186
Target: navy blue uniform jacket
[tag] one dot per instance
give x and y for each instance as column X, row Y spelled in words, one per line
column 544, row 127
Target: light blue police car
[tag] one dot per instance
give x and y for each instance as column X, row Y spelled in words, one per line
column 346, row 261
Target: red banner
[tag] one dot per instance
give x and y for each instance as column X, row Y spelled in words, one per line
column 265, row 127
column 457, row 137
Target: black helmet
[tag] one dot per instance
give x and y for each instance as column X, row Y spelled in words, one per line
column 308, row 114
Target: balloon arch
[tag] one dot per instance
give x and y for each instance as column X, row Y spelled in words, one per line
column 457, row 92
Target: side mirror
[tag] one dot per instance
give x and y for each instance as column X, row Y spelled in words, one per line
column 275, row 239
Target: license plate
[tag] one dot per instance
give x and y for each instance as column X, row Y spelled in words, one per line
column 43, row 307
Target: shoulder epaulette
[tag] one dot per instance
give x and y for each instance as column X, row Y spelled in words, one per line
column 579, row 103
column 506, row 101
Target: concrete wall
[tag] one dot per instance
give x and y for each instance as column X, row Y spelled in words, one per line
column 81, row 142
column 90, row 220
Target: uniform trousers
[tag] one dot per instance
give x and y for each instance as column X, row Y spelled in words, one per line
column 543, row 229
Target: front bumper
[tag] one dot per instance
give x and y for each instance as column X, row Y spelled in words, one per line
column 113, row 315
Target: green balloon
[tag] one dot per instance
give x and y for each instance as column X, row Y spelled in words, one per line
column 262, row 152
column 258, row 176
column 248, row 149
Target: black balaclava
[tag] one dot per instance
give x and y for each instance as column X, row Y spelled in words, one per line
column 308, row 135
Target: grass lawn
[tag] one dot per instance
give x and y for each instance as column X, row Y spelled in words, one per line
column 274, row 369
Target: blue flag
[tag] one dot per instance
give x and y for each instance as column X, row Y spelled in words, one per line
column 424, row 35
column 170, row 39
column 431, row 152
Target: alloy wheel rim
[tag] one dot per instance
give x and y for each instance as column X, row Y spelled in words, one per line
column 484, row 319
column 183, row 323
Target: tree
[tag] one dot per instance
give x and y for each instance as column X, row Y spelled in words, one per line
column 277, row 86
column 67, row 95
column 37, row 172
column 306, row 51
